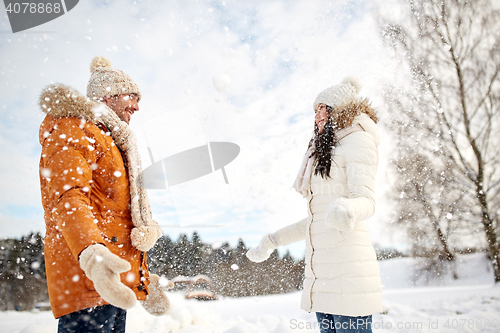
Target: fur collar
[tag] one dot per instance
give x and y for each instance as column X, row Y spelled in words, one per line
column 59, row 101
column 343, row 116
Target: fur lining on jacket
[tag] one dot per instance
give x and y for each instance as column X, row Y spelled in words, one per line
column 343, row 116
column 59, row 101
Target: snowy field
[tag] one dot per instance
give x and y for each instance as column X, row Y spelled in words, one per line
column 412, row 303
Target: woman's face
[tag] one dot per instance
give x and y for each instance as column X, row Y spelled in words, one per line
column 321, row 116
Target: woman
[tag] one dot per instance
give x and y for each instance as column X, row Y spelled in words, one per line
column 342, row 278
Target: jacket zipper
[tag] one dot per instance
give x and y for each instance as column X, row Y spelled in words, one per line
column 312, row 254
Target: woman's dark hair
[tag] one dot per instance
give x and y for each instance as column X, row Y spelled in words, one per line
column 324, row 144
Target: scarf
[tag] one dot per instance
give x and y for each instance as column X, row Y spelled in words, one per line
column 146, row 230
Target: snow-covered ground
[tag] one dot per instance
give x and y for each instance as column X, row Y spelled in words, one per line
column 412, row 303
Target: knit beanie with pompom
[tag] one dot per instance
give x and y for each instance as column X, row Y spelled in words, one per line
column 109, row 81
column 340, row 94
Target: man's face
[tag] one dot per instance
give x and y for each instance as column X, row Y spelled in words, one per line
column 124, row 105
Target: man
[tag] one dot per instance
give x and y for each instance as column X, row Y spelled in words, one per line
column 97, row 215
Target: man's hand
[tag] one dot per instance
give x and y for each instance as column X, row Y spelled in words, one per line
column 103, row 268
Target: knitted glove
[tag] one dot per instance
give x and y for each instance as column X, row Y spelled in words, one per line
column 144, row 237
column 103, row 268
column 157, row 302
column 263, row 250
column 340, row 216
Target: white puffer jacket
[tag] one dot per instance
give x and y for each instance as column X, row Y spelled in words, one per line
column 342, row 275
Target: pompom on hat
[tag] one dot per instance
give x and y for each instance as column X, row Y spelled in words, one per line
column 339, row 94
column 106, row 80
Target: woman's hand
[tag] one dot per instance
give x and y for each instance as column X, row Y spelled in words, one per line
column 262, row 251
column 340, row 216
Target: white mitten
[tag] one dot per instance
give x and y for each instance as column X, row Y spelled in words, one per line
column 340, row 216
column 103, row 268
column 144, row 237
column 263, row 250
column 157, row 302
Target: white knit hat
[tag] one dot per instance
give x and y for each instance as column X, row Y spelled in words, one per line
column 108, row 81
column 339, row 94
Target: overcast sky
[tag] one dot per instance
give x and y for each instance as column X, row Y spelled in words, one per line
column 269, row 60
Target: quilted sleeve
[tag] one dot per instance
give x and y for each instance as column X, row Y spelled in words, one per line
column 290, row 234
column 361, row 157
column 67, row 158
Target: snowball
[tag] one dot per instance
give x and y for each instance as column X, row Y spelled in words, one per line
column 221, row 82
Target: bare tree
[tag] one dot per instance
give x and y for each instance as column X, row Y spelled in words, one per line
column 451, row 117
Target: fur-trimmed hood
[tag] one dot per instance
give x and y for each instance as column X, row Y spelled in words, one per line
column 60, row 101
column 357, row 112
column 343, row 116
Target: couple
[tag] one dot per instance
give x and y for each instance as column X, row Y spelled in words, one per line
column 99, row 225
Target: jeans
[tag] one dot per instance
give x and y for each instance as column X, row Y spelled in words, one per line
column 101, row 319
column 329, row 323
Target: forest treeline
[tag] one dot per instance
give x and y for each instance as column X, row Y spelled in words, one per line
column 23, row 280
